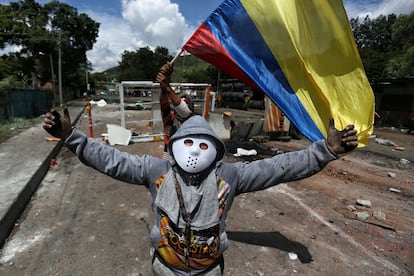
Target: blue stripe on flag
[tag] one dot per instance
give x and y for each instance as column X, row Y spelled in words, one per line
column 232, row 26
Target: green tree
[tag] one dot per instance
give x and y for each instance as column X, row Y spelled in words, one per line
column 385, row 45
column 142, row 64
column 24, row 23
column 74, row 34
column 402, row 63
column 40, row 31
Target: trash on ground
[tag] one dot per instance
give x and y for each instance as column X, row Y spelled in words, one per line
column 118, row 135
column 244, row 152
column 53, row 163
column 385, row 142
column 100, row 103
column 395, row 190
column 52, row 139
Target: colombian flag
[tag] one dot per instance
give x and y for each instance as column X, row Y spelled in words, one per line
column 300, row 53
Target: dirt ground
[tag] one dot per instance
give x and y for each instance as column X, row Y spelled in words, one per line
column 83, row 223
column 328, row 202
column 377, row 173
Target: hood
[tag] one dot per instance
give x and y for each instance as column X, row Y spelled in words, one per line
column 197, row 125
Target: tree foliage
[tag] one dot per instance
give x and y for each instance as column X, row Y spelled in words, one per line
column 142, row 64
column 385, row 44
column 40, row 32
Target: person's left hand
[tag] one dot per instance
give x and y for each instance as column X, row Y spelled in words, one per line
column 341, row 141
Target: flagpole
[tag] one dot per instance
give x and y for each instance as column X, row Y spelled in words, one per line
column 176, row 56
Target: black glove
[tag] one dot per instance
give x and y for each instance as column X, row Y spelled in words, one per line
column 57, row 126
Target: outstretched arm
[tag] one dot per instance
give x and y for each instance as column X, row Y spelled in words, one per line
column 295, row 165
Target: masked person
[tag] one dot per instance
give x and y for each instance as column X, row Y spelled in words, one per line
column 174, row 114
column 193, row 190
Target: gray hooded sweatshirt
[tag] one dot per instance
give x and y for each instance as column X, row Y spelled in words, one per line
column 207, row 196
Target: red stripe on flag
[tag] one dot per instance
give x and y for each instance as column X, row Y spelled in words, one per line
column 204, row 45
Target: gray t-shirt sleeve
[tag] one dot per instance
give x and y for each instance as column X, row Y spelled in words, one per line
column 120, row 165
column 291, row 166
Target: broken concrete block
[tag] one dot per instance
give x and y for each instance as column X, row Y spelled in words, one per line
column 362, row 215
column 363, row 202
column 379, row 215
column 404, row 161
column 392, row 175
column 351, row 208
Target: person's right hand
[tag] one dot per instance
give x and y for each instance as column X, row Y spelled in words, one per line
column 57, row 126
column 167, row 69
column 164, row 76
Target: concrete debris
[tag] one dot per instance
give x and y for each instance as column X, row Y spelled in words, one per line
column 404, row 161
column 363, row 202
column 362, row 215
column 377, row 218
column 260, row 214
column 293, row 256
column 351, row 208
column 379, row 215
column 385, row 142
column 392, row 175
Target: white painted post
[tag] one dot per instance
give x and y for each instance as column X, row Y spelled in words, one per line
column 121, row 104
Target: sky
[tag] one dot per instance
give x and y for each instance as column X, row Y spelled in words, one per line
column 132, row 24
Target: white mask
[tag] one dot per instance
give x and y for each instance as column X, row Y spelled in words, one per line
column 194, row 154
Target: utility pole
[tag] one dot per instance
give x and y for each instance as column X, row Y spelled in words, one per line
column 87, row 80
column 60, row 69
column 53, row 78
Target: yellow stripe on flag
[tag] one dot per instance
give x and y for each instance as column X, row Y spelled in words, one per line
column 313, row 44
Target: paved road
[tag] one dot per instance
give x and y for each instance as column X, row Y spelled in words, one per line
column 24, row 160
